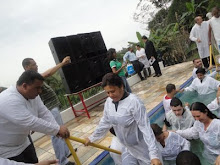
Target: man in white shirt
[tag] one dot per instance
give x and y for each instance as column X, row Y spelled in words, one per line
column 179, row 118
column 203, row 84
column 171, row 91
column 199, row 34
column 214, row 26
column 22, row 111
column 197, row 64
column 140, row 53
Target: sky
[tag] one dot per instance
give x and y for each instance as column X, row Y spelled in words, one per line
column 28, row 25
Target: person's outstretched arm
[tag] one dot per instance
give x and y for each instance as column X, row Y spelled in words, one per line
column 53, row 70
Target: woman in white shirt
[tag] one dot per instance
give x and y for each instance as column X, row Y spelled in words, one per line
column 126, row 113
column 170, row 144
column 207, row 129
column 203, row 84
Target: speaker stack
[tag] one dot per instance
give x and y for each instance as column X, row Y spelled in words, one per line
column 88, row 55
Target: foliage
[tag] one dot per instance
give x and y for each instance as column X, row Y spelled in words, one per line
column 170, row 26
column 193, row 9
column 56, row 83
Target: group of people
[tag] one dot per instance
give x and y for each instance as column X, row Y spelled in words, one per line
column 141, row 61
column 205, row 33
column 31, row 106
column 143, row 143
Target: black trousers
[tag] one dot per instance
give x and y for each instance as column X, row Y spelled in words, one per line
column 138, row 68
column 27, row 156
column 205, row 62
column 156, row 67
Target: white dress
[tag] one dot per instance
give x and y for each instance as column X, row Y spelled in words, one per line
column 210, row 138
column 132, row 127
column 142, row 57
column 180, row 123
column 174, row 144
column 201, row 32
column 207, row 86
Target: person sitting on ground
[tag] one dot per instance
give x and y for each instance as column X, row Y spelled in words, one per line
column 138, row 66
column 202, row 84
column 22, row 111
column 171, row 91
column 207, row 129
column 117, row 68
column 170, row 144
column 187, row 158
column 179, row 118
column 126, row 113
column 140, row 53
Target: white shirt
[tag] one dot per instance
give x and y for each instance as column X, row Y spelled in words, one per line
column 207, row 86
column 132, row 127
column 142, row 57
column 201, row 32
column 180, row 123
column 174, row 144
column 166, row 104
column 210, row 138
column 194, row 75
column 17, row 117
column 215, row 24
column 11, row 162
column 214, row 106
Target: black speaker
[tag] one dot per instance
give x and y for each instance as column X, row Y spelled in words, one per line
column 60, row 49
column 89, row 60
column 75, row 47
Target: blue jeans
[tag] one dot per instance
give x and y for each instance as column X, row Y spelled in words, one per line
column 127, row 87
column 59, row 145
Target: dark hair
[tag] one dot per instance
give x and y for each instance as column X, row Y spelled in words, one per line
column 216, row 9
column 110, row 53
column 198, row 106
column 156, row 129
column 26, row 62
column 195, row 59
column 187, row 158
column 170, row 88
column 200, row 70
column 176, row 102
column 138, row 45
column 112, row 79
column 28, row 77
column 144, row 37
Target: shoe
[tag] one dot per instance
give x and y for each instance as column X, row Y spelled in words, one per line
column 159, row 75
column 155, row 75
column 70, row 163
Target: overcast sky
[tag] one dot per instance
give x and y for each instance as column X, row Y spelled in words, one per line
column 28, row 25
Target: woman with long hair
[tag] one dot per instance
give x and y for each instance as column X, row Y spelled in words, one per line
column 117, row 67
column 207, row 129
